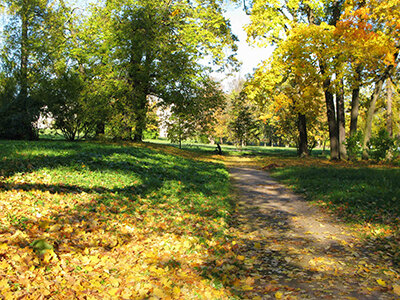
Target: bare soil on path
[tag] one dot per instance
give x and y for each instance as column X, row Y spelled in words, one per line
column 293, row 250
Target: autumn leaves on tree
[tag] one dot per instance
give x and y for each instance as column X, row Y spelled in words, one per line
column 326, row 53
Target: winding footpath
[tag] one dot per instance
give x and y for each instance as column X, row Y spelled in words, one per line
column 299, row 252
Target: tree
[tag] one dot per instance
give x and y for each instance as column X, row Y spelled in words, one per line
column 290, row 99
column 154, row 48
column 24, row 57
column 293, row 25
column 193, row 110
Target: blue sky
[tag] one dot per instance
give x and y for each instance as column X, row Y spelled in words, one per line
column 249, row 55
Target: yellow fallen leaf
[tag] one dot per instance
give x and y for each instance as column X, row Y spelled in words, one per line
column 159, row 293
column 396, row 289
column 176, row 291
column 4, row 284
column 381, row 282
column 257, row 245
column 278, row 295
column 113, row 291
column 240, row 257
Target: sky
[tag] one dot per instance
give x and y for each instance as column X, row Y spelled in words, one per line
column 250, row 56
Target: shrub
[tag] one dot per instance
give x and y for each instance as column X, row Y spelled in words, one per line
column 380, row 145
column 354, row 145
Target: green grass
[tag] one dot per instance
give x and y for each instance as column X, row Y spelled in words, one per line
column 250, row 150
column 358, row 195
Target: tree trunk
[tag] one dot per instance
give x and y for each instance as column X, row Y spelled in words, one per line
column 140, row 117
column 370, row 115
column 24, row 54
column 303, row 141
column 389, row 113
column 332, row 125
column 341, row 121
column 355, row 102
column 26, row 129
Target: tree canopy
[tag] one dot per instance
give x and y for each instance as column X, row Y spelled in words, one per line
column 96, row 70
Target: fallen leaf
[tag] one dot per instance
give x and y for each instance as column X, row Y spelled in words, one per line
column 396, row 289
column 381, row 282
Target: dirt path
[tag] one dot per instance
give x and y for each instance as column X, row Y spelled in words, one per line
column 294, row 251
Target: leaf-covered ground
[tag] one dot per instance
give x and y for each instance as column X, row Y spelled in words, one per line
column 91, row 221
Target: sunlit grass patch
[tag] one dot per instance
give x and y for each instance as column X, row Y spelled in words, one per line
column 120, row 221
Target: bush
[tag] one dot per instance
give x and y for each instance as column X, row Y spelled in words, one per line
column 354, row 145
column 381, row 145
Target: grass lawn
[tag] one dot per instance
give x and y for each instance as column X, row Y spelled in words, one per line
column 108, row 221
column 363, row 193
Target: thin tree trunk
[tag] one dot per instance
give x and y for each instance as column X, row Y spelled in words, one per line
column 341, row 121
column 24, row 55
column 389, row 113
column 26, row 128
column 370, row 115
column 355, row 103
column 303, row 141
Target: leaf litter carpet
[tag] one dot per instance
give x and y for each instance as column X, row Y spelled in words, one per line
column 292, row 250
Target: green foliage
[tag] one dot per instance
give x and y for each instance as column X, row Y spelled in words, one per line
column 194, row 112
column 354, row 145
column 17, row 112
column 381, row 145
column 154, row 48
column 244, row 126
column 65, row 105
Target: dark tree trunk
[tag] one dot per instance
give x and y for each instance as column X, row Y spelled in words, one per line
column 140, row 124
column 332, row 125
column 389, row 113
column 100, row 128
column 26, row 129
column 341, row 121
column 355, row 103
column 303, row 140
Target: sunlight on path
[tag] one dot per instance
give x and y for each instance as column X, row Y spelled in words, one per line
column 297, row 251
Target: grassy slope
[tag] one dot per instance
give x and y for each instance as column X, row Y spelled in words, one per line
column 123, row 221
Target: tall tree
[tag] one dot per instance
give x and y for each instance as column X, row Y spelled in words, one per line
column 154, row 48
column 273, row 22
column 24, row 52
